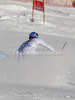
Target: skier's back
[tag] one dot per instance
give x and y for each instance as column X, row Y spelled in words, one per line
column 30, row 46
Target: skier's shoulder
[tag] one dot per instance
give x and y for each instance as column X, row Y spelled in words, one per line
column 25, row 42
column 38, row 40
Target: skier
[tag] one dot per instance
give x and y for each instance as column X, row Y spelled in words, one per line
column 30, row 46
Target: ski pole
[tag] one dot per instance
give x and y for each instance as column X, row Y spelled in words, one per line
column 64, row 46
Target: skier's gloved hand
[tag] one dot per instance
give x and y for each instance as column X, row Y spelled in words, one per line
column 58, row 53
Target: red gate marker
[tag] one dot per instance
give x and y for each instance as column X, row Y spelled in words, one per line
column 38, row 5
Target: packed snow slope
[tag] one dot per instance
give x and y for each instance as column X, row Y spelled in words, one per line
column 38, row 70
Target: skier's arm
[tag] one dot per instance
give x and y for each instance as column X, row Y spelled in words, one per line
column 47, row 46
column 21, row 47
column 51, row 48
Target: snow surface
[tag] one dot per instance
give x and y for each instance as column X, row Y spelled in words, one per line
column 41, row 77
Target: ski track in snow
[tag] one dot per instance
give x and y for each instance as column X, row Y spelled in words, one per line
column 44, row 77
